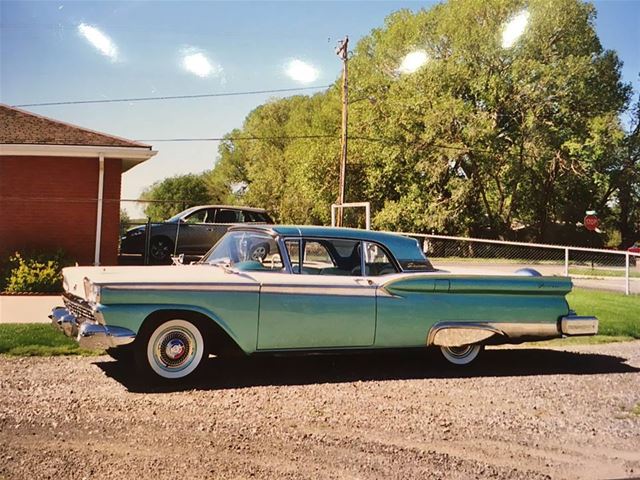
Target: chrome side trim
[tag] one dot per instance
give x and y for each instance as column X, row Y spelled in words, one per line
column 455, row 334
column 199, row 287
column 575, row 325
column 528, row 330
column 321, row 290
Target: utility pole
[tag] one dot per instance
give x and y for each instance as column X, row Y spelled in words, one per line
column 342, row 50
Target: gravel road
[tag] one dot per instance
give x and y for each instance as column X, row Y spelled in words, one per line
column 519, row 413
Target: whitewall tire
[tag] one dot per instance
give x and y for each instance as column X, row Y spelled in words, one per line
column 174, row 349
column 461, row 355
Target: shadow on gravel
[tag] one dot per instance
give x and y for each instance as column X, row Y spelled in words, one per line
column 302, row 370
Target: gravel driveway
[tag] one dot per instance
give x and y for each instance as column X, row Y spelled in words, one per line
column 519, row 413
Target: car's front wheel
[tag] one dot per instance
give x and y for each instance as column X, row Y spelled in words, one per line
column 172, row 350
column 463, row 355
column 160, row 250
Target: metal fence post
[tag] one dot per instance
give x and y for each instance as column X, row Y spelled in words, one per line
column 147, row 241
column 566, row 262
column 175, row 247
column 626, row 274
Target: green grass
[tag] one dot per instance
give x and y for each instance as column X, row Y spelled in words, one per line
column 37, row 339
column 602, row 272
column 619, row 314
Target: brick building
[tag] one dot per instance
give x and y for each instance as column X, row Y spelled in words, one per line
column 60, row 187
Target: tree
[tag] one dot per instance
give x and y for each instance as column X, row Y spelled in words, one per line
column 480, row 140
column 626, row 181
column 174, row 194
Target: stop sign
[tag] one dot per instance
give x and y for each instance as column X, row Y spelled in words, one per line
column 591, row 222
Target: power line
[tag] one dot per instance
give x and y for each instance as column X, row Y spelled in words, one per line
column 172, row 97
column 232, row 139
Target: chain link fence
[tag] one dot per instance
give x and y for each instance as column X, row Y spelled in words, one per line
column 588, row 267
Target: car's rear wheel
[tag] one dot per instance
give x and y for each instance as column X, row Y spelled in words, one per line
column 172, row 350
column 463, row 355
column 260, row 252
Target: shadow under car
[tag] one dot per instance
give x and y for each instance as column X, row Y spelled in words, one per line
column 241, row 372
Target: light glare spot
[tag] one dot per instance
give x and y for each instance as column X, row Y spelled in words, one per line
column 99, row 40
column 514, row 29
column 413, row 61
column 302, row 72
column 197, row 63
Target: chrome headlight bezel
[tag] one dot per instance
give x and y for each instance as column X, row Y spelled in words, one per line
column 91, row 291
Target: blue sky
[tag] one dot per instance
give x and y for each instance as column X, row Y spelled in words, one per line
column 248, row 46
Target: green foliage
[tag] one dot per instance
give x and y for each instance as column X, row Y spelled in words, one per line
column 34, row 273
column 37, row 339
column 479, row 140
column 177, row 193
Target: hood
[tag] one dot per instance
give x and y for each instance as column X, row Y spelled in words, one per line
column 73, row 277
column 134, row 230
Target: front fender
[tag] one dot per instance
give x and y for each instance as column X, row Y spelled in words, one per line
column 132, row 316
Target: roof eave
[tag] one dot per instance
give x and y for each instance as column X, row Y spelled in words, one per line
column 130, row 156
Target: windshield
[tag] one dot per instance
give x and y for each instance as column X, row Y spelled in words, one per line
column 246, row 250
column 179, row 215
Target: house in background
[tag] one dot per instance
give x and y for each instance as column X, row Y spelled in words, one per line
column 60, row 187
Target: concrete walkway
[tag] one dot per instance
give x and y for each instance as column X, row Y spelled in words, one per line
column 27, row 308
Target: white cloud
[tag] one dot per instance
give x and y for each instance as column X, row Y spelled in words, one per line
column 413, row 61
column 196, row 62
column 514, row 29
column 101, row 41
column 300, row 71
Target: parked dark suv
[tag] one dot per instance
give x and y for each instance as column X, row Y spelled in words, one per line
column 191, row 232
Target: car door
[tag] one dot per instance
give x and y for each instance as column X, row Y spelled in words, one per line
column 325, row 309
column 188, row 231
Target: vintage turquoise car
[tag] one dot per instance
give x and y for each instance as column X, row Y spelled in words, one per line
column 319, row 289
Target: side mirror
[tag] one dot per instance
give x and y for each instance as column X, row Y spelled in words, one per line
column 178, row 259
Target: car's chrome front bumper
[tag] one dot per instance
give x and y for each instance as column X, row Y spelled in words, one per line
column 90, row 334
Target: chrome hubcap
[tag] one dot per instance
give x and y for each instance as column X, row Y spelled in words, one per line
column 175, row 349
column 460, row 351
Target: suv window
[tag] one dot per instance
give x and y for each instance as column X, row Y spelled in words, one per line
column 204, row 215
column 257, row 217
column 228, row 216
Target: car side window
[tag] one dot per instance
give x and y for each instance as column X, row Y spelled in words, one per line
column 376, row 260
column 252, row 217
column 327, row 257
column 293, row 250
column 199, row 216
column 228, row 216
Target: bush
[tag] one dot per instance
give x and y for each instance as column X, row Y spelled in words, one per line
column 33, row 273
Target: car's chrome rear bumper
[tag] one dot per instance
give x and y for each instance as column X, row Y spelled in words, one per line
column 574, row 325
column 90, row 334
